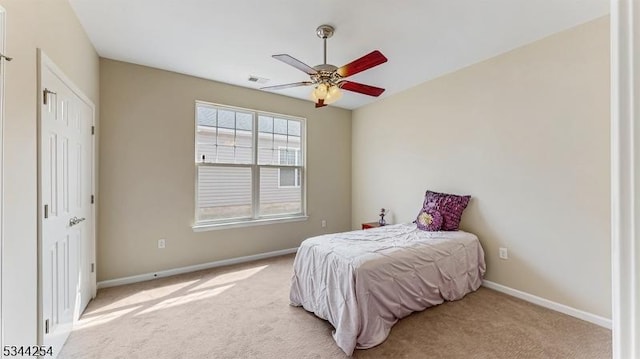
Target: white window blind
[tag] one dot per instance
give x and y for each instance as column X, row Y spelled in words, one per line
column 250, row 165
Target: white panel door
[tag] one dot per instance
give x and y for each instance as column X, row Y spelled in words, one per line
column 65, row 191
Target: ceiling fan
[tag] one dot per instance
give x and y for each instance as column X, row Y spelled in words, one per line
column 329, row 79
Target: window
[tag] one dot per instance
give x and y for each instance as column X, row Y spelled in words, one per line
column 288, row 177
column 249, row 164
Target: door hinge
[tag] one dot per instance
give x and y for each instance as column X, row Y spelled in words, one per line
column 92, row 199
column 46, row 211
column 93, row 267
column 93, row 130
column 45, row 95
column 46, row 326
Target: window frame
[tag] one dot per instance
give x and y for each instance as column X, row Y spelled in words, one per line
column 255, row 218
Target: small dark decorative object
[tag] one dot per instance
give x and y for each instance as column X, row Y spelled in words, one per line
column 382, row 214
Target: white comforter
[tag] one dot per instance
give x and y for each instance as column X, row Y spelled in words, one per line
column 362, row 282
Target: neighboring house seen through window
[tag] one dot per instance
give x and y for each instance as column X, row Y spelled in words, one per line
column 249, row 165
column 288, row 177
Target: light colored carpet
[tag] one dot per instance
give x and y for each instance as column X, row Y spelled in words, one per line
column 243, row 311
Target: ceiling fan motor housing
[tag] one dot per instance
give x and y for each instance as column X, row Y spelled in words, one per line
column 326, row 74
column 325, row 68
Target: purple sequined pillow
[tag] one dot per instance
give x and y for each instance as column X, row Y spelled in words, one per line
column 450, row 207
column 429, row 220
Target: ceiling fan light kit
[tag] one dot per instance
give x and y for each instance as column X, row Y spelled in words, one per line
column 327, row 93
column 329, row 79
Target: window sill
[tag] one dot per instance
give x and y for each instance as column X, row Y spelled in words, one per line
column 249, row 223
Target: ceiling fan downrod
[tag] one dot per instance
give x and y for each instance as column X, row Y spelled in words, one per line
column 324, row 32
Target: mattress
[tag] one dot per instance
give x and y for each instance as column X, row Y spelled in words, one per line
column 364, row 281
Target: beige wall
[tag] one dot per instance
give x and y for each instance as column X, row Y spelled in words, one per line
column 52, row 26
column 527, row 135
column 147, row 172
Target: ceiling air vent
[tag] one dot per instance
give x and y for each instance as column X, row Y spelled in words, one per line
column 256, row 79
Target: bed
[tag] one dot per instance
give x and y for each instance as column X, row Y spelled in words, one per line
column 364, row 281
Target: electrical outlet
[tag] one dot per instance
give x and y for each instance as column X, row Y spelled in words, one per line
column 323, row 223
column 161, row 243
column 503, row 253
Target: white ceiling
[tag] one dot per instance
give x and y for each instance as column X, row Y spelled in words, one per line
column 229, row 40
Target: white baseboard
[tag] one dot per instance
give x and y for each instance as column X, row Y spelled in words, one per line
column 197, row 267
column 592, row 318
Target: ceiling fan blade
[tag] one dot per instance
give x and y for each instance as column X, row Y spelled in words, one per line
column 286, row 86
column 361, row 88
column 320, row 103
column 287, row 59
column 366, row 62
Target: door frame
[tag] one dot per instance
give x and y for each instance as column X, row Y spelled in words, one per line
column 43, row 62
column 625, row 178
column 3, row 48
